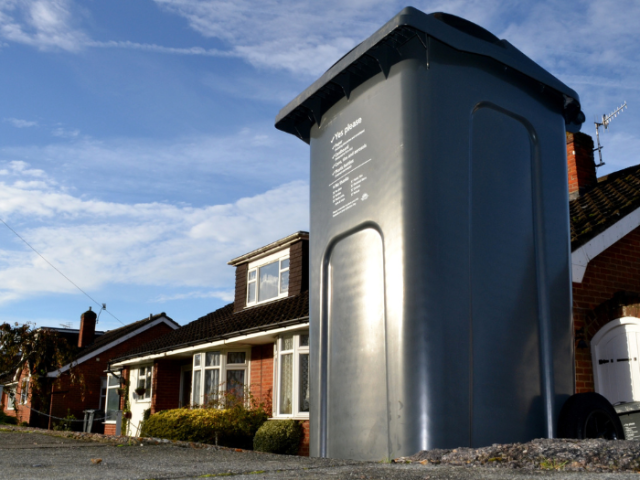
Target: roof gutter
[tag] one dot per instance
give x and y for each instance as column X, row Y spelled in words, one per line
column 225, row 336
column 268, row 249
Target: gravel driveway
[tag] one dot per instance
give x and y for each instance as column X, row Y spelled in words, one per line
column 32, row 455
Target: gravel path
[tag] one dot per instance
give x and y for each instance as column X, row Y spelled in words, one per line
column 39, row 454
column 542, row 454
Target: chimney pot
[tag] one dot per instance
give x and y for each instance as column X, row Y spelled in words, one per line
column 87, row 328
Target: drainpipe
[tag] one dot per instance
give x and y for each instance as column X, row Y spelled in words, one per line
column 50, row 426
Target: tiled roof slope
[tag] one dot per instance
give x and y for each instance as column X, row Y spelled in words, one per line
column 612, row 198
column 113, row 335
column 223, row 323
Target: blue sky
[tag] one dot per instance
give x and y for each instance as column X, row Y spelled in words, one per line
column 137, row 147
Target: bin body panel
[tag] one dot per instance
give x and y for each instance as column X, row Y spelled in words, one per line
column 504, row 328
column 461, row 172
column 357, row 376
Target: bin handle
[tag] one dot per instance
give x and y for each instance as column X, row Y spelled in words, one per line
column 468, row 27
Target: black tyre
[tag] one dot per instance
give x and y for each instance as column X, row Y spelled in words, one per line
column 589, row 415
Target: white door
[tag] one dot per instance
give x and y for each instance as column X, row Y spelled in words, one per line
column 615, row 359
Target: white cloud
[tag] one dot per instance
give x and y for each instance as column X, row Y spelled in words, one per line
column 300, row 37
column 44, row 24
column 197, row 168
column 151, row 47
column 98, row 244
column 226, row 295
column 18, row 123
column 65, row 133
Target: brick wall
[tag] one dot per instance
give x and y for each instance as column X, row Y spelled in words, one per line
column 597, row 300
column 304, row 444
column 581, row 167
column 85, row 393
column 261, row 374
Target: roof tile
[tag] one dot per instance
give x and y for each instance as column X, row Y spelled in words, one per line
column 224, row 323
column 615, row 196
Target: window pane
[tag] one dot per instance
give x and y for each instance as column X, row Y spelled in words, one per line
column 24, row 394
column 287, row 343
column 268, row 281
column 284, row 264
column 212, row 359
column 303, row 394
column 113, row 404
column 211, row 382
column 252, row 275
column 236, row 357
column 235, row 385
column 113, row 381
column 284, row 281
column 304, row 340
column 251, row 297
column 196, row 387
column 196, row 360
column 286, row 383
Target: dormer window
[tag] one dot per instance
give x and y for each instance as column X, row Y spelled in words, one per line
column 268, row 278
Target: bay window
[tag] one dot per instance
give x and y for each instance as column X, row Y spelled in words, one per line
column 293, row 376
column 218, row 377
column 268, row 279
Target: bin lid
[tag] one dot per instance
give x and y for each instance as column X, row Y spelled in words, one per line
column 627, row 407
column 375, row 55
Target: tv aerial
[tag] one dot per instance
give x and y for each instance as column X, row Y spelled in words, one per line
column 606, row 120
column 104, row 307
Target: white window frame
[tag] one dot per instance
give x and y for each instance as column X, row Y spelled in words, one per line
column 24, row 391
column 223, row 368
column 103, row 388
column 148, row 382
column 11, row 388
column 296, row 351
column 254, row 268
column 106, row 397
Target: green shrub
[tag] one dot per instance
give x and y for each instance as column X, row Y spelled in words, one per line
column 278, row 436
column 230, row 427
column 65, row 424
column 7, row 420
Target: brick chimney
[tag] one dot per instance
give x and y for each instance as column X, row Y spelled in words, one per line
column 87, row 328
column 580, row 164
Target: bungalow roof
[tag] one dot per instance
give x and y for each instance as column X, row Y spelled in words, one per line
column 223, row 323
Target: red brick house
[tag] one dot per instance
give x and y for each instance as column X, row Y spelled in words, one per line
column 259, row 342
column 605, row 244
column 95, row 350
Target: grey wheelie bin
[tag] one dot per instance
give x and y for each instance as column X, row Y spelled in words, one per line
column 440, row 283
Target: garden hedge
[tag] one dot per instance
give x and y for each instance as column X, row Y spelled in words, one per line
column 278, row 436
column 7, row 420
column 232, row 427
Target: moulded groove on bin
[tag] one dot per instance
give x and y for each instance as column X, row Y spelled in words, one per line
column 440, row 291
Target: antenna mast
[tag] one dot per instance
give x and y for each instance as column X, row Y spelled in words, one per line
column 606, row 120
